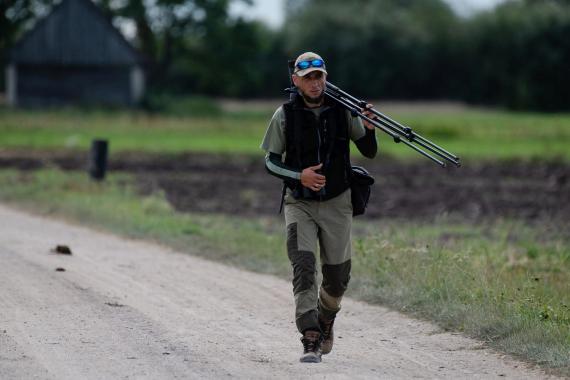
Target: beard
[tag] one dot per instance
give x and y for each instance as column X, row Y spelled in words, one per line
column 314, row 100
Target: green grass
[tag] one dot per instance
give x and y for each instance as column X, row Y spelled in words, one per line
column 496, row 135
column 114, row 205
column 473, row 134
column 72, row 129
column 502, row 282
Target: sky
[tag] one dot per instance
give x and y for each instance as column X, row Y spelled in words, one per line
column 272, row 13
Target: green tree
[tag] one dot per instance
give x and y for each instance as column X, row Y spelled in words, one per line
column 196, row 46
column 393, row 49
column 15, row 17
column 167, row 30
column 514, row 56
column 519, row 56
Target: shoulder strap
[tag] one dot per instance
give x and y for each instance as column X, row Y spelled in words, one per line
column 293, row 121
column 283, row 191
column 331, row 136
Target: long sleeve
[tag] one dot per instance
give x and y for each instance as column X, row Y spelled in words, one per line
column 276, row 167
column 363, row 138
column 367, row 144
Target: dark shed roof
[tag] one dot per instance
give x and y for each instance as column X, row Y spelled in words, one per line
column 76, row 32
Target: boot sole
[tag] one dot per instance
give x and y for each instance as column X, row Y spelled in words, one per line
column 310, row 359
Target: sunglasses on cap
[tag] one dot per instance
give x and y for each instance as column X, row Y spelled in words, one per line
column 311, row 63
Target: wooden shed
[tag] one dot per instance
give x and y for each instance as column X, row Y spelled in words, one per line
column 74, row 56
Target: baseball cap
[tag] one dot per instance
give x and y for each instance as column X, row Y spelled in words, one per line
column 309, row 57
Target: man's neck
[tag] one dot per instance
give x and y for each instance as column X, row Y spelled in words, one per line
column 313, row 105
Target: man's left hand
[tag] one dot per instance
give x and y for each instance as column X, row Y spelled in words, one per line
column 366, row 112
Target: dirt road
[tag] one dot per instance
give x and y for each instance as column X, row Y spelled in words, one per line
column 127, row 309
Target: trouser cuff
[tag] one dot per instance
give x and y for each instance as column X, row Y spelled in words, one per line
column 308, row 321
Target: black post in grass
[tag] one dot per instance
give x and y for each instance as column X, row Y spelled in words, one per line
column 98, row 159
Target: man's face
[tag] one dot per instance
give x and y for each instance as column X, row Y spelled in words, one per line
column 311, row 86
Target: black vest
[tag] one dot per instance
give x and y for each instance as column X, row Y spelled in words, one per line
column 310, row 141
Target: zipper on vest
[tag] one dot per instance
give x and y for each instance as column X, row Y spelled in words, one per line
column 325, row 134
column 319, row 193
column 318, row 145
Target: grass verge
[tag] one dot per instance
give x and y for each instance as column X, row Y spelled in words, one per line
column 472, row 134
column 504, row 283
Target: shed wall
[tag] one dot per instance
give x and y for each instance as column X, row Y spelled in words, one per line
column 60, row 85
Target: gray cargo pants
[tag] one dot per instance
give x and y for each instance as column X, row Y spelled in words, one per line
column 329, row 224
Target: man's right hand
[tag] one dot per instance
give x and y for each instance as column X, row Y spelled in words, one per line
column 311, row 179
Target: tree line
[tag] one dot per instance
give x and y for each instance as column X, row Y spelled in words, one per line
column 514, row 56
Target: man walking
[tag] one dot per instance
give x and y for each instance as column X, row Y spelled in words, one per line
column 307, row 145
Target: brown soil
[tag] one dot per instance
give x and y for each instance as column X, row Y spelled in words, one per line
column 531, row 191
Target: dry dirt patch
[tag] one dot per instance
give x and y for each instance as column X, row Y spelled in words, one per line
column 531, row 191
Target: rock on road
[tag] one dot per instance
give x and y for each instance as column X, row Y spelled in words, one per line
column 128, row 309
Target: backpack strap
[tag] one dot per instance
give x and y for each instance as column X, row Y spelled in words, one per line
column 283, row 191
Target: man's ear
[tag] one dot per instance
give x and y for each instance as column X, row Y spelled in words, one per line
column 295, row 79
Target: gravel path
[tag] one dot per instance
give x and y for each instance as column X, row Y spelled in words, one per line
column 128, row 309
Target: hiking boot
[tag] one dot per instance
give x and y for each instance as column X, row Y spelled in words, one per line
column 311, row 347
column 328, row 335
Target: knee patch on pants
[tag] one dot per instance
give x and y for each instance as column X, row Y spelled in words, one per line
column 328, row 305
column 303, row 262
column 336, row 278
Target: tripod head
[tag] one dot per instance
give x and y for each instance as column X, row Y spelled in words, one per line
column 292, row 91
